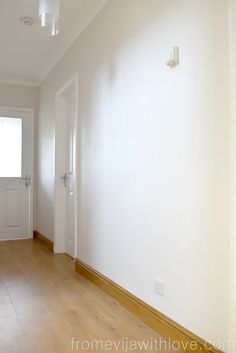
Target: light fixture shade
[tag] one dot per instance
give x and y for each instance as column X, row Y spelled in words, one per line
column 49, row 12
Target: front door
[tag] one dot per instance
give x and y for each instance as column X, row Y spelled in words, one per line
column 15, row 174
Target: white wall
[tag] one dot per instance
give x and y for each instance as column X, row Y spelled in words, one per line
column 12, row 95
column 154, row 158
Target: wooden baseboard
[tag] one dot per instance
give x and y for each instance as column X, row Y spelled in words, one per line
column 71, row 257
column 162, row 324
column 44, row 240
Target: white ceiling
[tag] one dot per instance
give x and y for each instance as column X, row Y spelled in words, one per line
column 27, row 56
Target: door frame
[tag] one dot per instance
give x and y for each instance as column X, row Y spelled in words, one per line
column 31, row 112
column 59, row 192
column 232, row 288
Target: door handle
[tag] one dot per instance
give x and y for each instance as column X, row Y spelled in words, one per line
column 26, row 179
column 64, row 178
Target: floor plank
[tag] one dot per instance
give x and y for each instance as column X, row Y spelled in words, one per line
column 44, row 304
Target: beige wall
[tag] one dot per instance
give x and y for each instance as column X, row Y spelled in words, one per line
column 232, row 307
column 154, row 157
column 18, row 96
column 23, row 97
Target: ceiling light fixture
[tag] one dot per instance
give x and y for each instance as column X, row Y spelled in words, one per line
column 49, row 11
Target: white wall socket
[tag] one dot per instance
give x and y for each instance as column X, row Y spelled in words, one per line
column 159, row 287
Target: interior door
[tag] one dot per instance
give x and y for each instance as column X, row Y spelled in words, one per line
column 69, row 176
column 15, row 174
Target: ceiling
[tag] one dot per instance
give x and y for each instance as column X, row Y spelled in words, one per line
column 27, row 56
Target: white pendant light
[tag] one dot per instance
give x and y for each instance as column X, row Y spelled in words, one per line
column 49, row 12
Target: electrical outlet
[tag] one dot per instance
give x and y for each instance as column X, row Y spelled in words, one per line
column 159, row 287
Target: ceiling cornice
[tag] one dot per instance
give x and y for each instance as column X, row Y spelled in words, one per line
column 18, row 81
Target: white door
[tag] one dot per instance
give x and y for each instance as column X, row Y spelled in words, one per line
column 15, row 174
column 66, row 165
column 69, row 175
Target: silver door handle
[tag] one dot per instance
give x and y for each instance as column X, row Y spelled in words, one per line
column 64, row 178
column 26, row 179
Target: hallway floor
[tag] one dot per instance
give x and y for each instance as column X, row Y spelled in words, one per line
column 44, row 304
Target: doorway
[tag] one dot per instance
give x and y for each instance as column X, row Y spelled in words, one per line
column 16, row 173
column 66, row 147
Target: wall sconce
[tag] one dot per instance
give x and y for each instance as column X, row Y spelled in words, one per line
column 174, row 58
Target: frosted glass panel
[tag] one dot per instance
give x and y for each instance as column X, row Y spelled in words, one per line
column 10, row 147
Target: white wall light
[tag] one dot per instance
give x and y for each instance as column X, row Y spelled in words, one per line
column 49, row 12
column 174, row 58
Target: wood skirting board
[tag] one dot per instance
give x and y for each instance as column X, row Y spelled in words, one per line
column 153, row 318
column 44, row 240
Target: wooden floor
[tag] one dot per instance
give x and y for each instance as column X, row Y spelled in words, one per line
column 44, row 304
